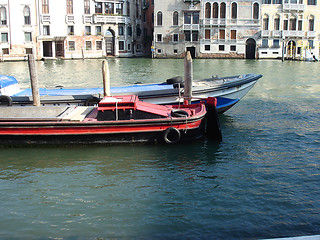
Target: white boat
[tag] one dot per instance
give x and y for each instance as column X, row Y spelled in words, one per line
column 227, row 90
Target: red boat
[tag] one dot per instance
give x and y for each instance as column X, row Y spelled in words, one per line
column 122, row 119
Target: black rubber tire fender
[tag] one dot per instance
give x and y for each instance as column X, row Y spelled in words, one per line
column 179, row 113
column 171, row 135
column 5, row 100
column 90, row 101
column 174, row 80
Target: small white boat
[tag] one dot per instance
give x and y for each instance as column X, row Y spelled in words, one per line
column 227, row 90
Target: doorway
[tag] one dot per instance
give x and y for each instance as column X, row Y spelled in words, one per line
column 59, row 48
column 192, row 51
column 250, row 49
column 47, row 48
column 110, row 42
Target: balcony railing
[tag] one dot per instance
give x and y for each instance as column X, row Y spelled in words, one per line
column 224, row 22
column 311, row 34
column 110, row 19
column 87, row 19
column 45, row 18
column 69, row 19
column 194, row 27
column 265, row 33
column 293, row 7
column 276, row 33
column 293, row 33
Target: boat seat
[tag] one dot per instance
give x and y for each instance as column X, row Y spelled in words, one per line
column 78, row 114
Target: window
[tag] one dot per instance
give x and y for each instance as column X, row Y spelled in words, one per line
column 187, row 36
column 265, row 43
column 88, row 45
column 45, row 6
column 292, row 24
column 121, row 30
column 159, row 19
column 276, row 23
column 109, row 8
column 266, row 1
column 207, row 33
column 4, row 37
column 46, row 30
column 129, row 46
column 138, row 30
column 187, row 18
column 222, row 34
column 207, row 47
column 71, row 45
column 99, row 45
column 87, row 30
column 29, row 51
column 277, row 1
column 175, row 19
column 234, row 11
column 159, row 37
column 265, row 23
column 233, row 48
column 27, row 37
column 69, row 6
column 98, row 7
column 312, row 2
column 86, row 6
column 255, row 11
column 299, row 25
column 221, row 47
column 159, row 50
column 215, row 10
column 208, row 10
column 285, row 24
column 26, row 15
column 5, row 51
column 3, row 16
column 119, row 8
column 129, row 31
column 233, row 34
column 175, row 37
column 276, row 43
column 222, row 10
column 191, row 17
column 175, row 51
column 194, row 36
column 70, row 30
column 128, row 10
column 311, row 24
column 98, row 30
column 121, row 45
column 310, row 43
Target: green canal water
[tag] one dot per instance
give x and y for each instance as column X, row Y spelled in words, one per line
column 261, row 181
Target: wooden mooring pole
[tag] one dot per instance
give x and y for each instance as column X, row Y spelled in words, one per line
column 34, row 80
column 106, row 78
column 188, row 77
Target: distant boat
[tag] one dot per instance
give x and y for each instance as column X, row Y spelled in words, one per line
column 121, row 119
column 227, row 90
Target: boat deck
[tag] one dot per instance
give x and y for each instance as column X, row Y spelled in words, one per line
column 47, row 113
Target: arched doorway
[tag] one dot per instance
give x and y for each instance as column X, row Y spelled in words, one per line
column 250, row 49
column 110, row 42
column 291, row 49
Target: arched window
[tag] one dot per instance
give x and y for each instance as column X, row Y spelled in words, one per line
column 311, row 23
column 159, row 19
column 276, row 22
column 215, row 10
column 86, row 6
column 26, row 15
column 223, row 10
column 208, row 10
column 69, row 6
column 45, row 6
column 3, row 16
column 234, row 11
column 265, row 22
column 175, row 18
column 293, row 23
column 255, row 11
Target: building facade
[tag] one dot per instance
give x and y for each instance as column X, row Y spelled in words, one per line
column 290, row 29
column 207, row 28
column 70, row 29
